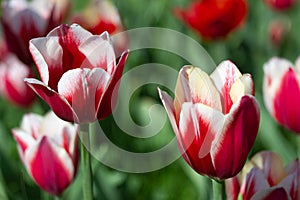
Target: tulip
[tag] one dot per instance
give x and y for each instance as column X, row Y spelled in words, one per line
column 278, row 30
column 100, row 16
column 12, row 86
column 79, row 73
column 214, row 19
column 22, row 21
column 281, row 92
column 48, row 148
column 280, row 5
column 215, row 119
column 265, row 177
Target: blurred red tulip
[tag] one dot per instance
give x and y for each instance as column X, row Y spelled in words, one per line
column 280, row 5
column 214, row 19
column 79, row 73
column 281, row 91
column 48, row 148
column 12, row 85
column 278, row 30
column 265, row 177
column 215, row 119
column 99, row 16
column 22, row 21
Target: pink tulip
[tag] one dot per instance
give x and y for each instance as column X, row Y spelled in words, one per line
column 49, row 150
column 79, row 73
column 281, row 92
column 215, row 118
column 22, row 21
column 265, row 177
column 12, row 86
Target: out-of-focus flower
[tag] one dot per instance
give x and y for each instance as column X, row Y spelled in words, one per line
column 278, row 29
column 280, row 5
column 281, row 91
column 12, row 85
column 48, row 147
column 265, row 177
column 215, row 119
column 214, row 19
column 22, row 21
column 3, row 48
column 99, row 16
column 79, row 73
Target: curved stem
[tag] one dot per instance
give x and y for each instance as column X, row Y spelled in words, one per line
column 86, row 162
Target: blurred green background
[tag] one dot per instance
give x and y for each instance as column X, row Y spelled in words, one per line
column 248, row 47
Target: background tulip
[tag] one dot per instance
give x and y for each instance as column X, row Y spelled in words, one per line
column 79, row 73
column 23, row 20
column 12, row 85
column 215, row 119
column 265, row 177
column 281, row 92
column 214, row 19
column 49, row 150
column 280, row 4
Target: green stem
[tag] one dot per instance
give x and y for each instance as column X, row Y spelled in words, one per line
column 86, row 163
column 217, row 190
column 2, row 188
column 298, row 147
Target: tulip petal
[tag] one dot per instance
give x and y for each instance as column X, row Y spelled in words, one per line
column 47, row 54
column 50, row 166
column 274, row 71
column 275, row 193
column 224, row 76
column 23, row 139
column 237, row 137
column 286, row 101
column 244, row 85
column 31, row 124
column 99, row 53
column 198, row 126
column 83, row 89
column 271, row 165
column 109, row 98
column 253, row 182
column 58, row 103
column 195, row 85
column 232, row 186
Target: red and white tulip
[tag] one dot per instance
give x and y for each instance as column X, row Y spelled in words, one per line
column 215, row 118
column 12, row 85
column 281, row 91
column 265, row 177
column 23, row 20
column 79, row 73
column 48, row 147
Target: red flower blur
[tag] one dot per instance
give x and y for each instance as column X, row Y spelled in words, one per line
column 214, row 19
column 79, row 73
column 265, row 177
column 215, row 119
column 48, row 147
column 281, row 92
column 280, row 5
column 22, row 20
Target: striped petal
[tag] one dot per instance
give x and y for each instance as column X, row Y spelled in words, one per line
column 233, row 144
column 83, row 89
column 50, row 166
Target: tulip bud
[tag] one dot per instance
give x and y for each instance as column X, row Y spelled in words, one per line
column 48, row 148
column 280, row 5
column 214, row 19
column 281, row 92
